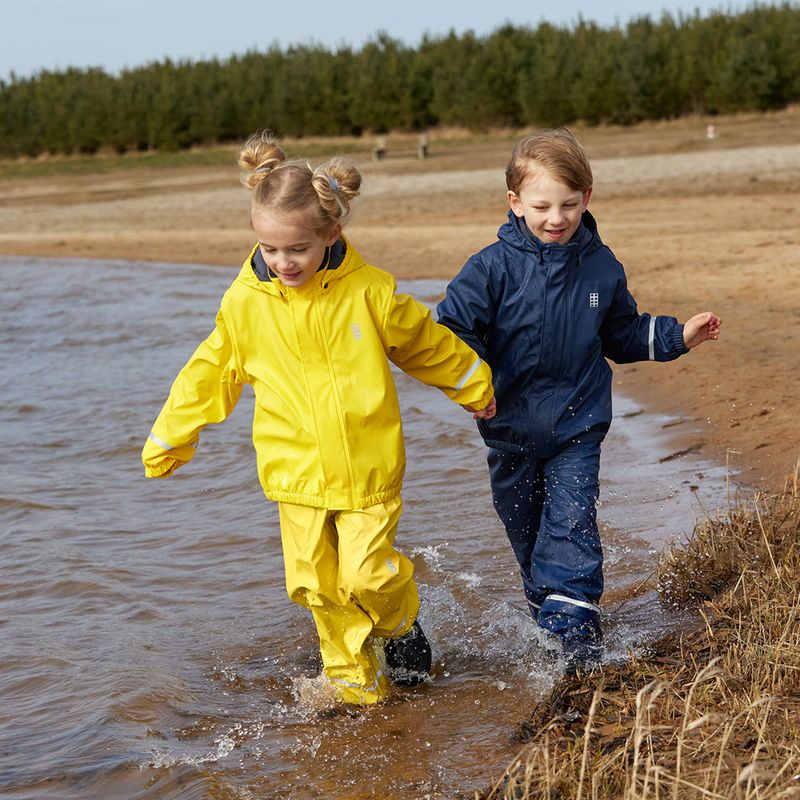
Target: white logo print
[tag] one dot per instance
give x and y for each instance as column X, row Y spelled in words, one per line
column 356, row 328
column 594, row 299
column 391, row 565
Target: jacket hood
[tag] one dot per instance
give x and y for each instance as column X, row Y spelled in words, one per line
column 516, row 233
column 344, row 259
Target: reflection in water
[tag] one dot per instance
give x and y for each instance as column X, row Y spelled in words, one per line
column 147, row 648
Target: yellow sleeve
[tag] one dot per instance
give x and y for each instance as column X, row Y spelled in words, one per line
column 205, row 392
column 433, row 354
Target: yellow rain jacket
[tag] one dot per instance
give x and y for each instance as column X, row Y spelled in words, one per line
column 326, row 427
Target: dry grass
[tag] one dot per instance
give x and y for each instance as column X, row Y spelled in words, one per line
column 710, row 714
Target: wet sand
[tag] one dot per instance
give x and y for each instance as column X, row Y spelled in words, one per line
column 698, row 224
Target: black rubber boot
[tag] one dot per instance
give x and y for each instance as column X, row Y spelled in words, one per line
column 582, row 653
column 408, row 657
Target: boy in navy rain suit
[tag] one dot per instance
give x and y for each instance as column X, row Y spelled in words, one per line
column 545, row 306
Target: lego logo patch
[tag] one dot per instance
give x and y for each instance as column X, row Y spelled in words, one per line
column 594, row 299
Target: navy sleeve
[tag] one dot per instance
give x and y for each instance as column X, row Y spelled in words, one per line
column 468, row 307
column 629, row 336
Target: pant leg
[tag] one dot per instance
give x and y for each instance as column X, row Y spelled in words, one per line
column 568, row 558
column 518, row 495
column 548, row 507
column 311, row 560
column 372, row 573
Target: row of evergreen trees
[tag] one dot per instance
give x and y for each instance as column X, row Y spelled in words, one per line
column 516, row 76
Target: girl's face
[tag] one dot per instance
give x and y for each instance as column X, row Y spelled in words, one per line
column 551, row 210
column 291, row 247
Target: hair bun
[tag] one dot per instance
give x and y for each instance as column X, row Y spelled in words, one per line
column 259, row 157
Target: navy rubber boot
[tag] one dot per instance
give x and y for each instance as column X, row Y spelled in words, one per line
column 408, row 657
column 583, row 650
column 578, row 628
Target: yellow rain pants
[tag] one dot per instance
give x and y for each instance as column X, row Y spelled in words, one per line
column 343, row 567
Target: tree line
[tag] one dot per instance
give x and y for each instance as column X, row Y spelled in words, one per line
column 517, row 77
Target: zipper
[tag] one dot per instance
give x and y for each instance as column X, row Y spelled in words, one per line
column 567, row 329
column 335, row 386
column 543, row 344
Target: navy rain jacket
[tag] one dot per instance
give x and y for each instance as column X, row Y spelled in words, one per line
column 546, row 317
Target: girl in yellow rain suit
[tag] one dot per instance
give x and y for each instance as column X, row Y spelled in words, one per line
column 312, row 328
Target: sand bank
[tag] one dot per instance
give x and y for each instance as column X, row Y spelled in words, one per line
column 711, row 228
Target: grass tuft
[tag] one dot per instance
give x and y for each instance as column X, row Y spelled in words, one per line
column 711, row 714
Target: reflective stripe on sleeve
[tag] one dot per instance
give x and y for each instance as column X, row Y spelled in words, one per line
column 469, row 373
column 651, row 341
column 560, row 598
column 161, row 443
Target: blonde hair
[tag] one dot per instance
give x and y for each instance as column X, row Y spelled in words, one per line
column 326, row 193
column 555, row 150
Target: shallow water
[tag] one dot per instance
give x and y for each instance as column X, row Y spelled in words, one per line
column 147, row 647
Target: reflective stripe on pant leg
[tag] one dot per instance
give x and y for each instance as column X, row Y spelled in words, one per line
column 311, row 562
column 568, row 557
column 576, row 623
column 372, row 573
column 518, row 496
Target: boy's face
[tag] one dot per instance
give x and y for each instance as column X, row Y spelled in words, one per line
column 551, row 210
column 291, row 247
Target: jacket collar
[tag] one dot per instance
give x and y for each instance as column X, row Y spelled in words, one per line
column 344, row 260
column 331, row 261
column 517, row 234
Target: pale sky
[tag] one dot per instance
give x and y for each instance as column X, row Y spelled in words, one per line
column 112, row 34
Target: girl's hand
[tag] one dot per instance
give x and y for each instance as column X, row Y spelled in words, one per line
column 700, row 328
column 483, row 413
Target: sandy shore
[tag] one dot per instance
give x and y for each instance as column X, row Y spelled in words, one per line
column 712, row 226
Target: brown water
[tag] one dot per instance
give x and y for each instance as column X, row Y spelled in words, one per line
column 147, row 648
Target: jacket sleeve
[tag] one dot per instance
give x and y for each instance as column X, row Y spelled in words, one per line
column 629, row 336
column 433, row 354
column 467, row 308
column 205, row 392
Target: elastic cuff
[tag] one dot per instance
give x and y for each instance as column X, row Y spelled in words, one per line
column 678, row 344
column 162, row 470
column 486, row 398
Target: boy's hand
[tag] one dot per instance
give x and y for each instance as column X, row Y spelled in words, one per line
column 700, row 328
column 483, row 413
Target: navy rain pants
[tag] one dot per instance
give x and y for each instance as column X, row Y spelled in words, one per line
column 548, row 507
